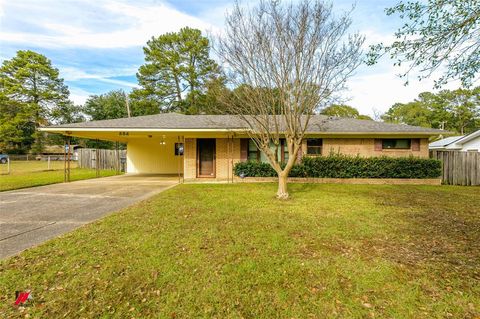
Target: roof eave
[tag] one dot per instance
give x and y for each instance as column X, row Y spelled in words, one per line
column 125, row 129
column 243, row 130
column 468, row 138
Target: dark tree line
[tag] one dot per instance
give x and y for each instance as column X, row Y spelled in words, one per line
column 457, row 111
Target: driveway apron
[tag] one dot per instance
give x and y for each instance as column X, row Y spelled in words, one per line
column 31, row 216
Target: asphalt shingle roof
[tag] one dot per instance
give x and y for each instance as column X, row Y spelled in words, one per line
column 318, row 123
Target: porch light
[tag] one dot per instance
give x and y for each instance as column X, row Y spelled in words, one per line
column 162, row 141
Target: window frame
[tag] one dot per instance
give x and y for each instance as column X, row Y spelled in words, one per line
column 317, row 147
column 256, row 151
column 396, row 148
column 283, row 150
column 258, row 157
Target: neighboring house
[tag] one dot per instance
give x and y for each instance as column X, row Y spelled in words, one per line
column 207, row 146
column 466, row 143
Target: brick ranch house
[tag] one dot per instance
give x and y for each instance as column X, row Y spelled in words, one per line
column 208, row 146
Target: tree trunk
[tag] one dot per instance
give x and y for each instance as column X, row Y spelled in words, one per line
column 282, row 192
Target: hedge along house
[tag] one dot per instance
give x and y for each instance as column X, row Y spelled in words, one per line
column 208, row 146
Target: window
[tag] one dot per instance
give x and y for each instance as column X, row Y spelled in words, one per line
column 314, row 146
column 254, row 154
column 396, row 144
column 179, row 149
column 253, row 151
column 284, row 150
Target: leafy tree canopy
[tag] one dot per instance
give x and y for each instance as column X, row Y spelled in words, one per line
column 113, row 105
column 457, row 110
column 177, row 71
column 436, row 33
column 342, row 110
column 66, row 113
column 16, row 126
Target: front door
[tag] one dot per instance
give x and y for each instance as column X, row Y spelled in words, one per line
column 206, row 157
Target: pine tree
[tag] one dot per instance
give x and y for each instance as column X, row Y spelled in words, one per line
column 177, row 71
column 30, row 88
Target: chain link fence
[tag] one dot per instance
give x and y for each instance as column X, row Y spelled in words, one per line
column 21, row 164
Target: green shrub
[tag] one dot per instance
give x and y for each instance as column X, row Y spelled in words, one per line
column 343, row 166
column 254, row 169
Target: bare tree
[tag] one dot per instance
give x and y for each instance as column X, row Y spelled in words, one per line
column 285, row 61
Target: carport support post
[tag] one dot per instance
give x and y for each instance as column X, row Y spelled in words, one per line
column 228, row 159
column 182, row 158
column 232, row 155
column 232, row 143
column 230, row 151
column 178, row 160
column 97, row 160
column 117, row 159
column 68, row 163
column 65, row 161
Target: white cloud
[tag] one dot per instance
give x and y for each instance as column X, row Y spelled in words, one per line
column 119, row 82
column 75, row 74
column 138, row 23
column 378, row 87
column 373, row 36
column 78, row 96
column 2, row 7
column 91, row 24
column 381, row 87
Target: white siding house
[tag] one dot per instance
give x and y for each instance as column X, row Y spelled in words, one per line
column 466, row 143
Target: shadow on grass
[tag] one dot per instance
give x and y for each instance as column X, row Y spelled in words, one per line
column 437, row 228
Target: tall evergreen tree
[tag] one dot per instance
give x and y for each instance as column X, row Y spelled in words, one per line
column 16, row 129
column 30, row 88
column 177, row 71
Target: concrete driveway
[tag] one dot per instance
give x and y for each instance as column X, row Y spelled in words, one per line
column 31, row 216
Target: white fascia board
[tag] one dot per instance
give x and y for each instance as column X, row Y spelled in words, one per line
column 468, row 137
column 91, row 129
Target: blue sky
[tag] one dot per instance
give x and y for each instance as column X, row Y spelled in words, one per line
column 97, row 44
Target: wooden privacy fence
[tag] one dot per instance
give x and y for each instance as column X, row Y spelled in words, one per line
column 102, row 159
column 459, row 168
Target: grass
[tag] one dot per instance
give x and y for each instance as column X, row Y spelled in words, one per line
column 233, row 251
column 22, row 167
column 34, row 173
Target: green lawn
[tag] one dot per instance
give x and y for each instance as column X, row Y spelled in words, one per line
column 233, row 251
column 22, row 167
column 34, row 173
